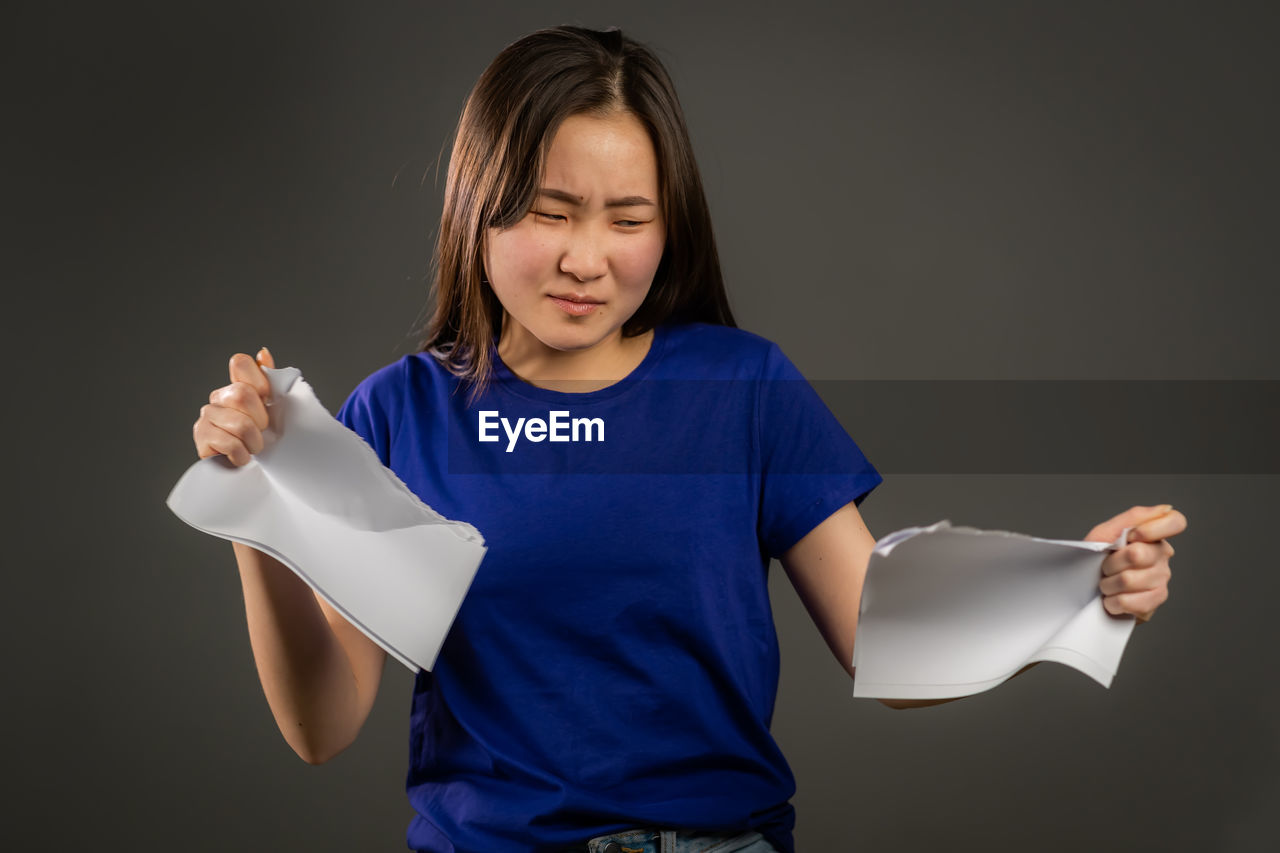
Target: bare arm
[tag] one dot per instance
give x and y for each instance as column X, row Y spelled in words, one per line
column 320, row 675
column 827, row 568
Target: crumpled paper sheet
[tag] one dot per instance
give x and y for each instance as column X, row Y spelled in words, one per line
column 951, row 611
column 318, row 499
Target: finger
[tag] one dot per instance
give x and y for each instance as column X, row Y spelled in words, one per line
column 1170, row 524
column 1136, row 580
column 1141, row 604
column 264, row 358
column 246, row 370
column 212, row 440
column 1108, row 530
column 236, row 424
column 242, row 397
column 1135, row 555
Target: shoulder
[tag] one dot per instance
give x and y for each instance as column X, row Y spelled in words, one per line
column 391, row 387
column 394, row 397
column 725, row 352
column 715, row 335
column 416, row 369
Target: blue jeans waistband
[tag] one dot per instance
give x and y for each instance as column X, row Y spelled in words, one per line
column 676, row 841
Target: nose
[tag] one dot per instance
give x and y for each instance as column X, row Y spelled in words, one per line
column 584, row 257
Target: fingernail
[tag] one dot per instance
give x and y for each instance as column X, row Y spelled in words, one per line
column 1165, row 507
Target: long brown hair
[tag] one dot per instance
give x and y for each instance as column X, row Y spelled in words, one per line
column 496, row 168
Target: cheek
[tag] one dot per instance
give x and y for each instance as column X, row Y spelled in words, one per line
column 517, row 257
column 638, row 260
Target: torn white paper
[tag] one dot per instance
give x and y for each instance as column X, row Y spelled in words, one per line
column 318, row 499
column 951, row 611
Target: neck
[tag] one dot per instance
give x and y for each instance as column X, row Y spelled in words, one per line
column 604, row 364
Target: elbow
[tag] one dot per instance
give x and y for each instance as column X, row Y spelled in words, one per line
column 316, row 757
column 317, row 753
column 313, row 757
column 895, row 704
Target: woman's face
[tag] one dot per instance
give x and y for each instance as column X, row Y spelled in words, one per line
column 581, row 261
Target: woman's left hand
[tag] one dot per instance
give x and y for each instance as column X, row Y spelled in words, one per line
column 1135, row 578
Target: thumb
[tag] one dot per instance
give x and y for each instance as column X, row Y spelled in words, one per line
column 1108, row 530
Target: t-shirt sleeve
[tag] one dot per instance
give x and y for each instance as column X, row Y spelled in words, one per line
column 365, row 413
column 809, row 466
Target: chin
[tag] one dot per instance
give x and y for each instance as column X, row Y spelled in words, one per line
column 570, row 339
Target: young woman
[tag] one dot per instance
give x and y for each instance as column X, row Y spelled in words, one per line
column 633, row 461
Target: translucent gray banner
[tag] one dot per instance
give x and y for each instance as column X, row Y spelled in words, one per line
column 1062, row 426
column 901, row 426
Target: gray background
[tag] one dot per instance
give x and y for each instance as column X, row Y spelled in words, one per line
column 900, row 190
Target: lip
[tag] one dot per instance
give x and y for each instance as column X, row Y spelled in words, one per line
column 574, row 297
column 574, row 305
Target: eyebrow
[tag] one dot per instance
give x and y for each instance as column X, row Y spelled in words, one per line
column 570, row 198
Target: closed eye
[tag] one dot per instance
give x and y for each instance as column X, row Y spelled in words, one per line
column 559, row 217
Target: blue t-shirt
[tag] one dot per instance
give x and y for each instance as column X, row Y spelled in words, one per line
column 615, row 662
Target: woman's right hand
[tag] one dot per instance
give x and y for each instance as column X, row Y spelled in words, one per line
column 235, row 416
